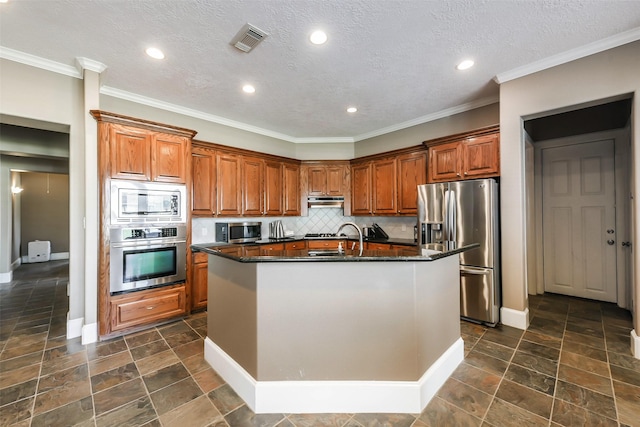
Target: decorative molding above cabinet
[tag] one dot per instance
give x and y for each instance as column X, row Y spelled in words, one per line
column 468, row 155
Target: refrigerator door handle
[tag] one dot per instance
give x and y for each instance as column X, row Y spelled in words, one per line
column 445, row 217
column 452, row 209
column 477, row 271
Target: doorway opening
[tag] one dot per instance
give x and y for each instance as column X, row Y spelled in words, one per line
column 579, row 211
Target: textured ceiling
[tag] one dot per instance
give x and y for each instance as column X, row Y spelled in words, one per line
column 393, row 59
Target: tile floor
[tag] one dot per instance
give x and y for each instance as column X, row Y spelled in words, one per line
column 572, row 367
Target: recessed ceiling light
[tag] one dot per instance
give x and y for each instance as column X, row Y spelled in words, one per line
column 318, row 37
column 465, row 65
column 4, row 1
column 155, row 53
column 248, row 88
column 352, row 110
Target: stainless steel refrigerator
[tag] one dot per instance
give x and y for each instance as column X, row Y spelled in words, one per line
column 459, row 213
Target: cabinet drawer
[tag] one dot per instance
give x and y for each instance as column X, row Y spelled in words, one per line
column 135, row 309
column 272, row 247
column 324, row 244
column 378, row 246
column 199, row 257
column 295, row 245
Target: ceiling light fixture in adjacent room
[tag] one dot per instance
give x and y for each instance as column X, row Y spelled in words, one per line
column 318, row 37
column 352, row 110
column 465, row 65
column 155, row 53
column 248, row 89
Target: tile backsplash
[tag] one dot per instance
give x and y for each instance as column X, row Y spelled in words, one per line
column 326, row 220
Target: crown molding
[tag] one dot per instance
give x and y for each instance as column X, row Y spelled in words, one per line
column 430, row 117
column 36, row 61
column 89, row 64
column 570, row 55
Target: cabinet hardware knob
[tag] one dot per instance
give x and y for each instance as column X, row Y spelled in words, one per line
column 150, row 307
column 610, row 242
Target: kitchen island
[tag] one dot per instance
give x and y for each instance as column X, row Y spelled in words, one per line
column 294, row 331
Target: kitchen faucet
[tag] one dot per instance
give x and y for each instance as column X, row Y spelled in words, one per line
column 357, row 228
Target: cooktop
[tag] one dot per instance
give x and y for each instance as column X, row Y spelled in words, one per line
column 314, row 235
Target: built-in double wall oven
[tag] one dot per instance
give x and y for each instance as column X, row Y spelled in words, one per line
column 148, row 236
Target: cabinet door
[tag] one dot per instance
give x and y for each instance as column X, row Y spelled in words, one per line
column 335, row 181
column 445, row 162
column 480, row 157
column 378, row 246
column 129, row 153
column 295, row 245
column 169, row 158
column 203, row 188
column 384, row 186
column 412, row 171
column 229, row 194
column 139, row 308
column 199, row 285
column 291, row 189
column 252, row 186
column 317, row 181
column 273, row 188
column 361, row 189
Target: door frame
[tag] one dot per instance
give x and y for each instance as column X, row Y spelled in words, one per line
column 622, row 204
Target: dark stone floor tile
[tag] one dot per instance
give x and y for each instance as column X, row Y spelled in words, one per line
column 586, row 399
column 243, row 416
column 618, row 344
column 337, row 420
column 492, row 349
column 20, row 362
column 539, row 350
column 536, row 363
column 585, row 350
column 629, row 376
column 585, row 379
column 545, row 326
column 198, row 412
column 395, row 420
column 65, row 393
column 627, row 402
column 175, row 395
column 103, row 349
column 196, row 322
column 526, row 398
column 109, row 363
column 174, row 328
column 63, row 362
column 586, row 327
column 114, row 377
column 503, row 335
column 17, row 341
column 475, row 377
column 585, row 363
column 71, row 414
column 165, row 376
column 141, row 338
column 149, row 349
column 545, row 340
column 119, row 395
column 191, row 349
column 225, row 399
column 135, row 413
column 17, row 376
column 18, row 392
column 472, row 329
column 566, row 414
column 182, row 338
column 75, row 375
column 465, row 397
column 196, row 363
column 16, row 412
column 531, row 379
column 486, row 362
column 624, row 361
column 502, row 413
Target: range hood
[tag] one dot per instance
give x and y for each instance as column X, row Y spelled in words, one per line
column 325, row 201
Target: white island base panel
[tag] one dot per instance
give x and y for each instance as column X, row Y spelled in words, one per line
column 306, row 397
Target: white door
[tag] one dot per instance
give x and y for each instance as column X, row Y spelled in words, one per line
column 578, row 216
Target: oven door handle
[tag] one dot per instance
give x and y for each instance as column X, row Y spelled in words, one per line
column 147, row 244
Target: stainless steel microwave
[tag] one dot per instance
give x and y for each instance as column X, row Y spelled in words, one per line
column 147, row 202
column 238, row 232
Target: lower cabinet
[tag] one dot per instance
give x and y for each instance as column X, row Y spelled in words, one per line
column 325, row 244
column 295, row 245
column 140, row 308
column 378, row 246
column 199, row 281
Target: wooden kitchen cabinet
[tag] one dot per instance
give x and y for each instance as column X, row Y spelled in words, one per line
column 378, row 246
column 252, row 169
column 301, row 244
column 229, row 184
column 412, row 171
column 268, row 247
column 203, row 188
column 290, row 189
column 143, row 307
column 361, row 189
column 384, row 186
column 470, row 155
column 273, row 188
column 326, row 180
column 330, row 244
column 199, row 280
column 169, row 154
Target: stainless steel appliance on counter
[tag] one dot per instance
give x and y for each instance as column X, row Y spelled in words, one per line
column 461, row 213
column 238, row 232
column 147, row 256
column 135, row 202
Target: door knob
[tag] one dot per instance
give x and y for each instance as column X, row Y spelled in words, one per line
column 610, row 242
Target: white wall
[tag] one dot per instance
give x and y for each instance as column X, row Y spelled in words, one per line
column 597, row 77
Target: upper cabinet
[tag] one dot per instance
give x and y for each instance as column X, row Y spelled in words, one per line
column 143, row 151
column 326, row 179
column 468, row 155
column 233, row 182
column 387, row 184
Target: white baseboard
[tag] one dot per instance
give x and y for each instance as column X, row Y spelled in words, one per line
column 515, row 318
column 53, row 257
column 635, row 344
column 264, row 397
column 6, row 277
column 89, row 333
column 74, row 327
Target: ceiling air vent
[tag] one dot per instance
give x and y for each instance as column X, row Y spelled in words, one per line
column 248, row 37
